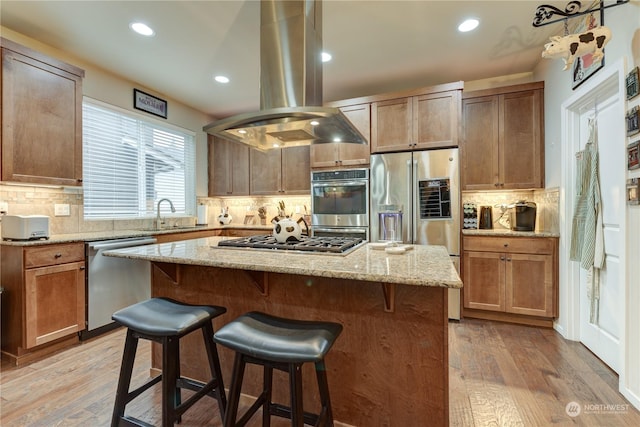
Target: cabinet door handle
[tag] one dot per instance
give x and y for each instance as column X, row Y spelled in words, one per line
column 501, row 258
column 509, row 259
column 82, row 268
column 506, row 245
column 58, row 255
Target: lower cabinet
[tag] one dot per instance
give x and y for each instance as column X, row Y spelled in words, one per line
column 44, row 297
column 516, row 276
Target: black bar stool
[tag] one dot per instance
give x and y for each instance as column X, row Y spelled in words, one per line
column 166, row 321
column 283, row 344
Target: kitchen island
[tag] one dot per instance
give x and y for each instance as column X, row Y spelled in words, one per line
column 390, row 365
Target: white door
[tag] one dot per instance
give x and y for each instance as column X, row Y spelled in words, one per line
column 603, row 337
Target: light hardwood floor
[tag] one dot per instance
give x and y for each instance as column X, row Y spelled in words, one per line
column 500, row 375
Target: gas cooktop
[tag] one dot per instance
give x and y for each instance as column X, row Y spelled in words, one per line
column 328, row 245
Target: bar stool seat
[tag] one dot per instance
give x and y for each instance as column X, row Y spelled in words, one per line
column 165, row 321
column 283, row 344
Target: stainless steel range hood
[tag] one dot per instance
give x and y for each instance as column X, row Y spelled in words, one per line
column 291, row 111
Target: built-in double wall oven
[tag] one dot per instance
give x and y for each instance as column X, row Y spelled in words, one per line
column 340, row 203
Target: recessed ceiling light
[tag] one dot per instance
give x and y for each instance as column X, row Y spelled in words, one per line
column 314, row 123
column 221, row 79
column 142, row 29
column 326, row 57
column 468, row 25
column 242, row 131
column 337, row 139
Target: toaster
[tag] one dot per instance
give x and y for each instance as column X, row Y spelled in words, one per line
column 25, row 227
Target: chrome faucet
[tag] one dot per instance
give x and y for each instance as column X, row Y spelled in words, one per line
column 160, row 221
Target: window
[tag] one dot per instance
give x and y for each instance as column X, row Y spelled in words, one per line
column 131, row 161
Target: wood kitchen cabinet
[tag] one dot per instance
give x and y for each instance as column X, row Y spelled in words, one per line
column 341, row 154
column 428, row 119
column 284, row 171
column 44, row 299
column 502, row 144
column 228, row 168
column 511, row 278
column 41, row 118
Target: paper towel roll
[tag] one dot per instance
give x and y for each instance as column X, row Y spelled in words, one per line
column 203, row 215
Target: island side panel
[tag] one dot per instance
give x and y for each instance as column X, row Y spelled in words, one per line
column 385, row 369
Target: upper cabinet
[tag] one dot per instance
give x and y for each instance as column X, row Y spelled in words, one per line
column 341, row 154
column 41, row 118
column 283, row 171
column 428, row 119
column 502, row 144
column 228, row 168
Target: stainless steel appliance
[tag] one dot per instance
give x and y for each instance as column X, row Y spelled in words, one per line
column 523, row 216
column 326, row 245
column 291, row 111
column 424, row 185
column 340, row 203
column 113, row 283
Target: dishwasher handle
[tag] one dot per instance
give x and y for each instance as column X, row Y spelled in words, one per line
column 119, row 244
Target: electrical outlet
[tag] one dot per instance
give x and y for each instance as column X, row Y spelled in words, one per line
column 61, row 209
column 4, row 208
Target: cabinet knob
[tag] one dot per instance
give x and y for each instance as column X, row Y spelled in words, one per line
column 58, row 255
column 497, row 184
column 506, row 245
column 82, row 268
column 509, row 259
column 501, row 258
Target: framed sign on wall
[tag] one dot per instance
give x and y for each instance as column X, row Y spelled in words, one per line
column 149, row 103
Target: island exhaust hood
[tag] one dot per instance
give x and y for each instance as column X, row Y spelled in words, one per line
column 291, row 111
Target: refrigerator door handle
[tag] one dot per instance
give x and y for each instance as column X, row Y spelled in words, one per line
column 409, row 203
column 415, row 213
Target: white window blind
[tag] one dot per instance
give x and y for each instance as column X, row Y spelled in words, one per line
column 131, row 161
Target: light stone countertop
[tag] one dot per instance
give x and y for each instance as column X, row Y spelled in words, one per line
column 421, row 266
column 92, row 236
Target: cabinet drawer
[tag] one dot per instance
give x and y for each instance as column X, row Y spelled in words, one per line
column 525, row 245
column 53, row 254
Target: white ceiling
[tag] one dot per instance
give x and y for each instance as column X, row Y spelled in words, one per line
column 377, row 46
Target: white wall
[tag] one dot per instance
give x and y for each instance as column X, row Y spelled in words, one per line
column 112, row 89
column 625, row 45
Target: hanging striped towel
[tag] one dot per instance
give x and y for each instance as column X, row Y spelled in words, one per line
column 587, row 237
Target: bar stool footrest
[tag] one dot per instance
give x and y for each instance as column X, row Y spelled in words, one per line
column 284, row 411
column 200, row 390
column 144, row 387
column 133, row 422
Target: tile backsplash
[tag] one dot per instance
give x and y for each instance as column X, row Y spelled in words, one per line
column 546, row 200
column 31, row 200
column 37, row 200
column 244, row 210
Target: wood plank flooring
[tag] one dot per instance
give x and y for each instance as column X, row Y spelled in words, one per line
column 500, row 375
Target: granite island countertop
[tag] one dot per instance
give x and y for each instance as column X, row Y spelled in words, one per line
column 423, row 265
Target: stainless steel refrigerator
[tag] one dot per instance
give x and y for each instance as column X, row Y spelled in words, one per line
column 424, row 186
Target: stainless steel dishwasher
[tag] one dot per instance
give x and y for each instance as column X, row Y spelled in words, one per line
column 113, row 283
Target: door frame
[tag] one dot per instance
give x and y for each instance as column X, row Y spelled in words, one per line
column 607, row 83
